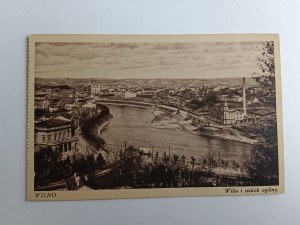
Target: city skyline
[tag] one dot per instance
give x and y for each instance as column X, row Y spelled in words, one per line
column 147, row 60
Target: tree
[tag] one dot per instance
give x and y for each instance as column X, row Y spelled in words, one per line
column 129, row 166
column 175, row 159
column 44, row 161
column 100, row 161
column 183, row 159
column 211, row 99
column 266, row 64
column 62, row 169
column 262, row 165
column 204, row 162
column 195, row 104
column 193, row 161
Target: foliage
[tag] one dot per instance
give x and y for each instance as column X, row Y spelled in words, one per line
column 133, row 169
column 266, row 64
column 210, row 99
column 89, row 127
column 195, row 104
column 262, row 165
column 49, row 166
column 44, row 161
column 139, row 171
column 57, row 86
column 40, row 112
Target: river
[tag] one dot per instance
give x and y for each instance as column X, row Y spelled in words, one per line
column 132, row 125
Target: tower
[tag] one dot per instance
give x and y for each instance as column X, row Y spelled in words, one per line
column 244, row 97
column 225, row 109
column 225, row 116
column 95, row 89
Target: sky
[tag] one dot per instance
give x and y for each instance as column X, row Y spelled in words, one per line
column 147, row 60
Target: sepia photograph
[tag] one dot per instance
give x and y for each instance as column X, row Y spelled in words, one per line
column 112, row 116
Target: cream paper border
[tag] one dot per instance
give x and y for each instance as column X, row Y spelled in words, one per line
column 145, row 193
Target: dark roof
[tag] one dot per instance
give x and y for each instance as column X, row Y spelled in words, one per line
column 263, row 112
column 39, row 99
column 39, row 94
column 52, row 123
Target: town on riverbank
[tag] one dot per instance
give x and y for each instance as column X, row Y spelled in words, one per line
column 70, row 115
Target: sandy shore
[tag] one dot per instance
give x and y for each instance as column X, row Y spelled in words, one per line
column 182, row 120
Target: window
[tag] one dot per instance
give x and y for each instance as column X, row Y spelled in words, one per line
column 49, row 137
column 43, row 137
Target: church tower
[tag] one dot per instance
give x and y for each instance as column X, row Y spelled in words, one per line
column 226, row 114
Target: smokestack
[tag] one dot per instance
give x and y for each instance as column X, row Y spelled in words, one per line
column 244, row 97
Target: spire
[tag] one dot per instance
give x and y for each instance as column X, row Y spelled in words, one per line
column 225, row 106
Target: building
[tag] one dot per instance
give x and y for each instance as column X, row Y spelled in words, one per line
column 264, row 113
column 146, row 94
column 89, row 105
column 95, row 89
column 230, row 98
column 224, row 115
column 67, row 98
column 55, row 133
column 80, row 102
column 253, row 100
column 41, row 101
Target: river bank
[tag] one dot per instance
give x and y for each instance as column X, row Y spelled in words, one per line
column 182, row 120
column 167, row 117
column 133, row 126
column 224, row 134
column 90, row 132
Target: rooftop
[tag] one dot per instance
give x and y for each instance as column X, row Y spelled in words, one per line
column 262, row 111
column 54, row 122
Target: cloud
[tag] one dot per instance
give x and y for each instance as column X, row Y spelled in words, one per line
column 144, row 59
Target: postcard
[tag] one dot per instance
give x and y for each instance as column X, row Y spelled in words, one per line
column 136, row 116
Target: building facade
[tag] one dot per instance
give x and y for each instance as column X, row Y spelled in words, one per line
column 226, row 116
column 55, row 133
column 95, row 89
column 41, row 101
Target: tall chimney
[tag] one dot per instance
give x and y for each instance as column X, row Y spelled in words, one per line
column 244, row 97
